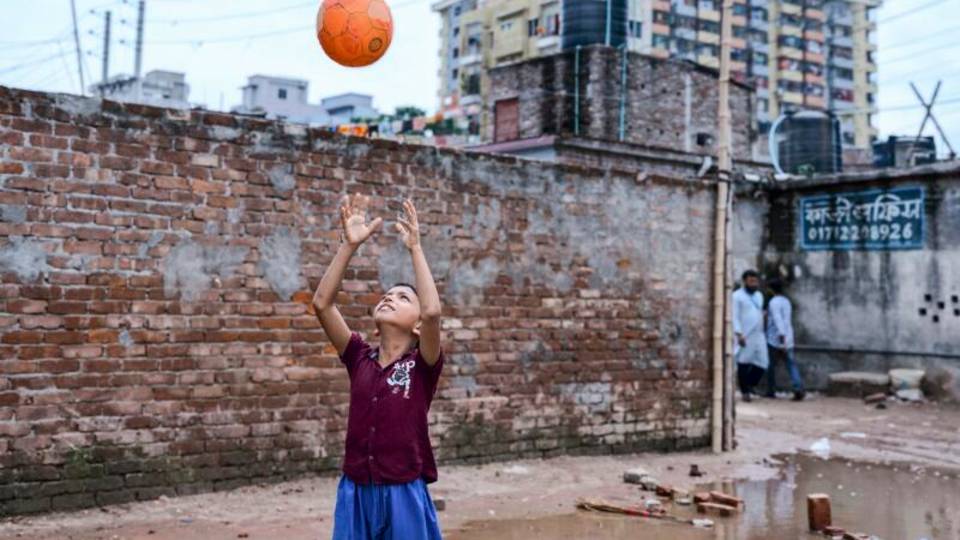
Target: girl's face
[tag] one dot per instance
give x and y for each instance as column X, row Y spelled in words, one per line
column 399, row 307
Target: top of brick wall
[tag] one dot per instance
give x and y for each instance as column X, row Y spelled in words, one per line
column 930, row 172
column 272, row 136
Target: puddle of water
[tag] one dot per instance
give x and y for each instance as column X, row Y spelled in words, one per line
column 892, row 503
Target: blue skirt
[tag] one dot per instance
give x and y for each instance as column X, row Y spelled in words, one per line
column 384, row 512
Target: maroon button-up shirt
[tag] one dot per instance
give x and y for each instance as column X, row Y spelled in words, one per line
column 387, row 437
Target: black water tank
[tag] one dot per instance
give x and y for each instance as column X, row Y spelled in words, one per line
column 585, row 22
column 810, row 143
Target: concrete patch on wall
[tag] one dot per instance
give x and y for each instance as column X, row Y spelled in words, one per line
column 280, row 262
column 190, row 267
column 24, row 257
column 13, row 213
column 465, row 284
column 235, row 214
column 595, row 396
column 155, row 238
column 281, row 177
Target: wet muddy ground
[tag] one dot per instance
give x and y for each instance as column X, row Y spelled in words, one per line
column 536, row 498
column 889, row 501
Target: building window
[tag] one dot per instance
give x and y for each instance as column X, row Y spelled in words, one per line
column 553, row 24
column 456, row 31
column 708, row 26
column 707, row 4
column 706, row 49
column 760, row 58
column 635, row 29
column 842, row 73
column 506, row 25
column 660, row 41
column 661, row 17
column 456, row 11
column 870, row 98
column 282, row 93
column 758, row 14
column 456, row 52
column 533, row 27
column 740, row 9
column 842, row 94
column 763, row 105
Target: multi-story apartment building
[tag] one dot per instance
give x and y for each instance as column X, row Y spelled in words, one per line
column 798, row 54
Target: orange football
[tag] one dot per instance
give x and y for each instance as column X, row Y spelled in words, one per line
column 354, row 33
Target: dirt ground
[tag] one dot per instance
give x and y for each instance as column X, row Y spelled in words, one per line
column 925, row 434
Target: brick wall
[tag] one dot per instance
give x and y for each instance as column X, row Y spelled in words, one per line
column 156, row 268
column 668, row 102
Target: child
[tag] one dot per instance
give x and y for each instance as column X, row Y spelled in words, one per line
column 388, row 460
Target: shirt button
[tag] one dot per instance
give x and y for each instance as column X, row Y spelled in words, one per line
column 374, row 399
column 372, row 429
column 370, row 458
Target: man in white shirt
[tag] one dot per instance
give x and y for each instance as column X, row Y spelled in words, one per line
column 750, row 347
column 780, row 340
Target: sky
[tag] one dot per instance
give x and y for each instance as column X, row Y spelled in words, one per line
column 218, row 43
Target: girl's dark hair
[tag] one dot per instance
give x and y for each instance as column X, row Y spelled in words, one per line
column 407, row 285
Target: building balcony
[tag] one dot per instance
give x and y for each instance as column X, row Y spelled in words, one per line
column 662, row 5
column 738, row 43
column 709, row 61
column 790, row 75
column 816, row 58
column 659, row 52
column 840, row 62
column 471, row 99
column 792, row 9
column 819, row 37
column 681, row 9
column 739, row 20
column 842, row 83
column 792, row 97
column 760, row 69
column 815, row 79
column 661, row 29
column 545, row 42
column 791, row 30
column 709, row 15
column 760, row 25
column 816, row 101
column 685, row 33
column 760, row 47
column 791, row 52
column 840, row 41
column 471, row 59
column 708, row 37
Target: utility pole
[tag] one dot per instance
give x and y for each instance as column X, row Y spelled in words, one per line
column 106, row 53
column 76, row 41
column 722, row 409
column 138, row 62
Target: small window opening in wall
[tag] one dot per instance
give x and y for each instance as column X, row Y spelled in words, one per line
column 936, row 318
column 956, row 313
column 941, row 305
column 955, row 299
column 927, row 298
column 923, row 312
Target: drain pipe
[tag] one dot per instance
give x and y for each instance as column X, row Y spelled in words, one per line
column 623, row 94
column 576, row 91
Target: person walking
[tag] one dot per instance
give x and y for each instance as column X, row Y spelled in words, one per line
column 750, row 346
column 780, row 341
